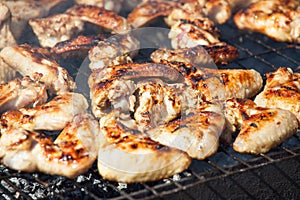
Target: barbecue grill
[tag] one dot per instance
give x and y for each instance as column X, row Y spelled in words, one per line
column 226, row 174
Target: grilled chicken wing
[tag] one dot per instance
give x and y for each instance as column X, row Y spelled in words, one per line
column 7, row 38
column 101, row 17
column 190, row 33
column 72, row 153
column 219, row 53
column 23, row 11
column 149, row 10
column 196, row 133
column 278, row 19
column 261, row 129
column 78, row 46
column 113, row 5
column 56, row 28
column 116, row 50
column 282, row 90
column 128, row 155
column 19, row 93
column 218, row 10
column 33, row 62
column 6, row 72
column 52, row 116
column 112, row 87
column 220, row 84
column 190, row 10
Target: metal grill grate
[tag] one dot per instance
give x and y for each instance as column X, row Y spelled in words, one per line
column 271, row 175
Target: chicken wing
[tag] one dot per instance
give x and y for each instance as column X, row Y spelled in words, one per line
column 7, row 38
column 217, row 10
column 36, row 62
column 196, row 133
column 190, row 33
column 282, row 90
column 19, row 93
column 78, row 46
column 128, row 155
column 56, row 28
column 278, row 19
column 113, row 87
column 220, row 84
column 22, row 11
column 72, row 153
column 101, row 17
column 52, row 116
column 219, row 53
column 149, row 10
column 115, row 50
column 261, row 129
column 190, row 10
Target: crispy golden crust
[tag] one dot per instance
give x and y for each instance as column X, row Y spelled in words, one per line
column 101, row 17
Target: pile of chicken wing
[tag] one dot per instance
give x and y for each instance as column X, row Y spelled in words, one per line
column 145, row 120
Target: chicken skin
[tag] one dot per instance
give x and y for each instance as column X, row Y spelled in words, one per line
column 261, row 128
column 282, row 90
column 278, row 19
column 128, row 155
column 36, row 63
column 72, row 153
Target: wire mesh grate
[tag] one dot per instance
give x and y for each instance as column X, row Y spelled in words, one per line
column 233, row 169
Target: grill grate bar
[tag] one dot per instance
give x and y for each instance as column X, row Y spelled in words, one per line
column 16, row 190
